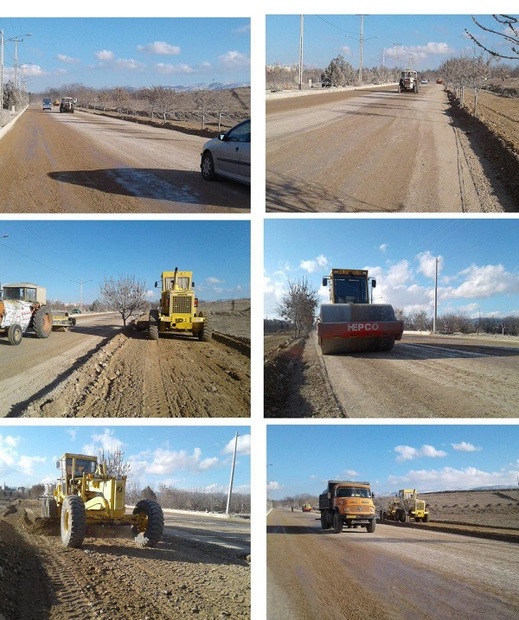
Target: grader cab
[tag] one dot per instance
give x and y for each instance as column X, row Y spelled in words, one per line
column 86, row 494
column 178, row 310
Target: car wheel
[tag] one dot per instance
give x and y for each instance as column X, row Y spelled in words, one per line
column 207, row 167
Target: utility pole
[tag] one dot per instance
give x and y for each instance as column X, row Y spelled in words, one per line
column 435, row 317
column 301, row 25
column 232, row 475
column 1, row 70
column 361, row 48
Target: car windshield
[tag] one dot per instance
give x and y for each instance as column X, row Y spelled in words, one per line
column 241, row 133
column 353, row 492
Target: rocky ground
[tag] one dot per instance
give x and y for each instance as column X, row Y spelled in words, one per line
column 112, row 579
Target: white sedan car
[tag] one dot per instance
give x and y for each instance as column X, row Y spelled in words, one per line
column 228, row 155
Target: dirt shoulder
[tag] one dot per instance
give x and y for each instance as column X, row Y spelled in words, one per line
column 176, row 376
column 111, row 578
column 296, row 383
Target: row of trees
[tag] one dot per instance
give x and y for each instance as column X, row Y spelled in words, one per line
column 161, row 102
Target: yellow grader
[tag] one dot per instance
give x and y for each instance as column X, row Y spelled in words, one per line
column 178, row 308
column 351, row 323
column 86, row 494
column 405, row 506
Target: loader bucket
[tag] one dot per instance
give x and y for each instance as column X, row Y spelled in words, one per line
column 356, row 328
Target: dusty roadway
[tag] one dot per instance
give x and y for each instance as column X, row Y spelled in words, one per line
column 132, row 376
column 31, row 367
column 426, row 376
column 392, row 574
column 374, row 150
column 83, row 163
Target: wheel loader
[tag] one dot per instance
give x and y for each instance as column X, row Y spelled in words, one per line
column 86, row 494
column 24, row 308
column 178, row 308
column 351, row 323
column 405, row 506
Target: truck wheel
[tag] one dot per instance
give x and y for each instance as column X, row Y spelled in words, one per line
column 207, row 167
column 371, row 526
column 337, row 523
column 73, row 521
column 14, row 334
column 325, row 524
column 150, row 524
column 42, row 322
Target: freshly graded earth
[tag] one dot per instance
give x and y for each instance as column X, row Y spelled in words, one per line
column 111, row 578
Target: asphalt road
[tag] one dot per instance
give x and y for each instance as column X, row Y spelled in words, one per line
column 373, row 150
column 36, row 363
column 229, row 532
column 426, row 376
column 85, row 163
column 391, row 574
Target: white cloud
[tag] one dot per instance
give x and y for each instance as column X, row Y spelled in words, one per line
column 427, row 264
column 170, row 461
column 160, row 48
column 234, row 59
column 383, row 247
column 32, row 70
column 166, row 68
column 483, row 282
column 273, row 486
column 104, row 55
column 105, row 441
column 408, row 453
column 449, row 478
column 320, row 263
column 129, row 64
column 242, row 447
column 67, row 59
column 465, row 446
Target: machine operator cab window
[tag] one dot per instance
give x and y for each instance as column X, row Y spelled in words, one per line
column 178, row 284
column 83, row 466
column 350, row 290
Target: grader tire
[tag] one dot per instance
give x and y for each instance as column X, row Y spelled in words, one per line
column 42, row 322
column 14, row 334
column 73, row 521
column 153, row 325
column 49, row 508
column 148, row 531
column 206, row 333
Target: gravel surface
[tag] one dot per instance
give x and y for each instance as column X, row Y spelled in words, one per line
column 394, row 573
column 384, row 151
column 423, row 376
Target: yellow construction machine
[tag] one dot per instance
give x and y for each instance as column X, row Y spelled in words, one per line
column 86, row 494
column 405, row 506
column 178, row 308
column 351, row 323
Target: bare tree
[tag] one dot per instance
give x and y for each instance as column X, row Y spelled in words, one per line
column 160, row 100
column 125, row 295
column 115, row 461
column 508, row 31
column 298, row 305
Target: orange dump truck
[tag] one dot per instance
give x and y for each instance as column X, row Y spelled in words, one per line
column 346, row 502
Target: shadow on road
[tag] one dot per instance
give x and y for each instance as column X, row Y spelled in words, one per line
column 175, row 186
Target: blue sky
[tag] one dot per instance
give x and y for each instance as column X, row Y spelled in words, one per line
column 105, row 52
column 478, row 270
column 60, row 254
column 186, row 457
column 429, row 457
column 425, row 41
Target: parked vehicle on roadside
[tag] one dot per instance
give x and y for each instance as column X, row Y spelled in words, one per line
column 228, row 155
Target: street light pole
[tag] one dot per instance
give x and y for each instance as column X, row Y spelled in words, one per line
column 231, row 481
column 16, row 40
